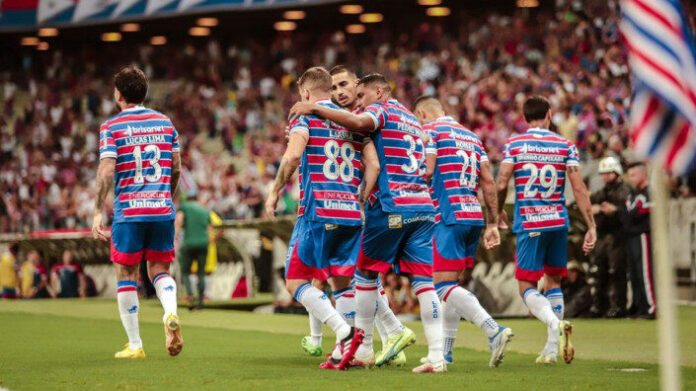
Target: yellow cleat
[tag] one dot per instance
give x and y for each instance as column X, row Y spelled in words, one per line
column 130, row 353
column 172, row 330
column 546, row 359
column 395, row 344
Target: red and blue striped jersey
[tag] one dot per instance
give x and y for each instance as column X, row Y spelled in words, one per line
column 330, row 170
column 455, row 182
column 540, row 158
column 142, row 141
column 398, row 138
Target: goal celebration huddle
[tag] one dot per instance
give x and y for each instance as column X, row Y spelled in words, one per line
column 382, row 186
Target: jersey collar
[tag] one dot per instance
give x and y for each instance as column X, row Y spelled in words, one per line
column 538, row 130
column 134, row 108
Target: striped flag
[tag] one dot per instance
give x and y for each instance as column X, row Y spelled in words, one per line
column 663, row 61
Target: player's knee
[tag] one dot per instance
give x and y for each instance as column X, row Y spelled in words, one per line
column 551, row 282
column 124, row 272
column 340, row 283
column 368, row 273
column 445, row 276
column 155, row 268
column 292, row 285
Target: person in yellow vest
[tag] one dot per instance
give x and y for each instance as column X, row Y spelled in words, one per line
column 34, row 277
column 9, row 278
column 214, row 233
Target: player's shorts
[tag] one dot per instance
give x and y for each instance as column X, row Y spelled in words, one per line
column 402, row 240
column 131, row 242
column 540, row 253
column 319, row 250
column 454, row 246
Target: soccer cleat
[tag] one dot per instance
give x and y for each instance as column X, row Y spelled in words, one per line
column 430, row 367
column 130, row 353
column 350, row 345
column 395, row 344
column 546, row 359
column 363, row 362
column 448, row 358
column 497, row 343
column 330, row 363
column 399, row 360
column 172, row 331
column 313, row 350
column 564, row 344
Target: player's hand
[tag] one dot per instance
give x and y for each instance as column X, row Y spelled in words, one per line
column 491, row 238
column 97, row 229
column 590, row 240
column 299, row 109
column 503, row 222
column 271, row 203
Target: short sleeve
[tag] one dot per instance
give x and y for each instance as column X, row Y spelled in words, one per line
column 431, row 146
column 175, row 140
column 107, row 145
column 300, row 124
column 507, row 155
column 378, row 114
column 573, row 159
column 482, row 152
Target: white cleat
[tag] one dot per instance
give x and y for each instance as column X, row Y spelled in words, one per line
column 497, row 343
column 430, row 367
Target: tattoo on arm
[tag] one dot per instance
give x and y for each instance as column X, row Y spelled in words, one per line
column 176, row 172
column 105, row 178
column 582, row 199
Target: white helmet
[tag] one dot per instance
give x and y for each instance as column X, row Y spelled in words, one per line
column 610, row 164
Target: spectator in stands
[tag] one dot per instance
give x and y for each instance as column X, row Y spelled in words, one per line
column 576, row 291
column 67, row 278
column 9, row 278
column 34, row 277
column 609, row 258
column 193, row 224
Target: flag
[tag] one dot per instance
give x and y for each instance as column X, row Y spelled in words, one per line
column 663, row 62
column 48, row 9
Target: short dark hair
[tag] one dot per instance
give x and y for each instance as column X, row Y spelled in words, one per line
column 635, row 164
column 132, row 83
column 316, row 78
column 341, row 69
column 423, row 99
column 374, row 78
column 535, row 108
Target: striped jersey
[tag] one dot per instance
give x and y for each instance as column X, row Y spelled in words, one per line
column 142, row 141
column 455, row 182
column 330, row 170
column 540, row 158
column 398, row 138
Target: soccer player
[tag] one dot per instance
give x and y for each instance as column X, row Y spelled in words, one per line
column 399, row 219
column 540, row 161
column 457, row 165
column 327, row 230
column 139, row 154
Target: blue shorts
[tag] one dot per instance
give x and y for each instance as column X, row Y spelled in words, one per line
column 454, row 246
column 404, row 240
column 131, row 242
column 540, row 253
column 320, row 251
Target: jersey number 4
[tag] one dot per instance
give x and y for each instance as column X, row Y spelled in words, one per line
column 154, row 163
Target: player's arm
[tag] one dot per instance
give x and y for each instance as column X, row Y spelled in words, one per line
column 354, row 122
column 176, row 172
column 488, row 188
column 504, row 176
column 105, row 179
column 371, row 164
column 288, row 164
column 583, row 200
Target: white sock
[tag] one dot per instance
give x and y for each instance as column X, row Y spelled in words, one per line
column 315, row 329
column 385, row 316
column 366, row 297
column 555, row 297
column 317, row 304
column 541, row 308
column 127, row 298
column 208, row 284
column 467, row 306
column 450, row 324
column 431, row 316
column 165, row 286
column 383, row 335
column 345, row 306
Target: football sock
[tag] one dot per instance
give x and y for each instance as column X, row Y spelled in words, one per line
column 555, row 297
column 127, row 298
column 541, row 308
column 208, row 284
column 366, row 297
column 385, row 316
column 345, row 304
column 315, row 329
column 166, row 292
column 450, row 324
column 467, row 306
column 431, row 315
column 317, row 304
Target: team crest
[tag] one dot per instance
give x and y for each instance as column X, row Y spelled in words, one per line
column 395, row 221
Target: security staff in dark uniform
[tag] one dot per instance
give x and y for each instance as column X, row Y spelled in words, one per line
column 635, row 217
column 608, row 270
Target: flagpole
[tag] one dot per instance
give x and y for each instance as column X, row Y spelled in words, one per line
column 667, row 327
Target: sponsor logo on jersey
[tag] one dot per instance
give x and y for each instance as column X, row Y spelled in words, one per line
column 131, row 130
column 395, row 221
column 334, row 204
column 542, row 217
column 147, row 203
column 416, row 219
column 533, row 234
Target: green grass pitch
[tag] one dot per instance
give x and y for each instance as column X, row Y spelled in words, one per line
column 69, row 345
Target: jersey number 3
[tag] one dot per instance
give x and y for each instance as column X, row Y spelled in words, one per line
column 154, row 163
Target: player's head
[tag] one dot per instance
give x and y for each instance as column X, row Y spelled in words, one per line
column 372, row 88
column 427, row 108
column 638, row 175
column 537, row 110
column 130, row 86
column 344, row 84
column 315, row 83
